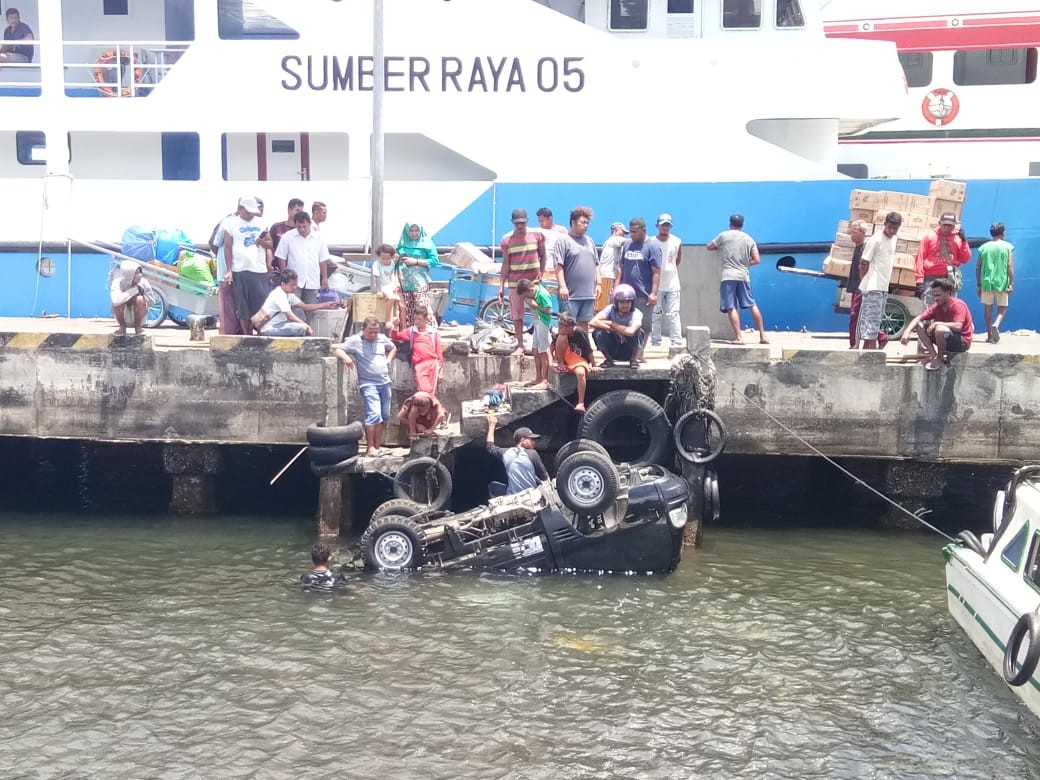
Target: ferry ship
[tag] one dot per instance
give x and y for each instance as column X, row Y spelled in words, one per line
column 164, row 113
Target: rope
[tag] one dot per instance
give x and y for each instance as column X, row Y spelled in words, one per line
column 915, row 515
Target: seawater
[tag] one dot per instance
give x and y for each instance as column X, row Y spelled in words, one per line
column 151, row 647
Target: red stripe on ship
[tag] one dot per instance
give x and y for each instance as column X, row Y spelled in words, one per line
column 934, row 34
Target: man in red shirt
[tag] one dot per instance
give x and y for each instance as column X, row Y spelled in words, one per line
column 939, row 253
column 944, row 328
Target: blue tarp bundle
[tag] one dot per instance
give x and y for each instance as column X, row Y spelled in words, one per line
column 139, row 243
column 162, row 244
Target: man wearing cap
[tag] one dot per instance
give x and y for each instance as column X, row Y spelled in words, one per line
column 939, row 253
column 667, row 308
column 523, row 257
column 609, row 257
column 524, row 467
column 640, row 268
column 249, row 263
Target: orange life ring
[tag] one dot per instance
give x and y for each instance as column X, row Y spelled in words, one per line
column 940, row 106
column 103, row 73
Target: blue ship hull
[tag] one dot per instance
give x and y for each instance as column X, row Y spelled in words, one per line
column 799, row 215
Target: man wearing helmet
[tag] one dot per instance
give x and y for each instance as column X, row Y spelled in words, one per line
column 618, row 329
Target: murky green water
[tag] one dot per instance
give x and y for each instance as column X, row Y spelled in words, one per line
column 164, row 649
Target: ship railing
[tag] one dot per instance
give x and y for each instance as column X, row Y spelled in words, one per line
column 118, row 68
column 21, row 77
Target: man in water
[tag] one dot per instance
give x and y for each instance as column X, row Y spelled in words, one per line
column 322, row 576
column 524, row 467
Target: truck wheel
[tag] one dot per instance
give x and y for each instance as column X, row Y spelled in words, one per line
column 393, row 543
column 647, row 413
column 436, row 475
column 587, row 483
column 579, row 445
column 403, row 507
column 333, row 436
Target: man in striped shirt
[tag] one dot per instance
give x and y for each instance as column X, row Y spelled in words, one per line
column 523, row 257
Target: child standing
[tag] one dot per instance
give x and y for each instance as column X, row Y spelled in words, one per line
column 574, row 353
column 385, row 282
column 540, row 302
column 426, row 355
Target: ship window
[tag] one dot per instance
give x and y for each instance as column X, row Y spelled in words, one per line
column 789, row 14
column 994, row 66
column 1032, row 570
column 1034, row 169
column 283, row 147
column 738, row 14
column 31, row 147
column 246, row 19
column 1012, row 554
column 917, row 67
column 680, row 6
column 116, row 7
column 628, row 14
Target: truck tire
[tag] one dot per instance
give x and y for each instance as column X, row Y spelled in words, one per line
column 403, row 507
column 433, row 470
column 618, row 404
column 578, row 445
column 393, row 543
column 335, row 435
column 587, row 483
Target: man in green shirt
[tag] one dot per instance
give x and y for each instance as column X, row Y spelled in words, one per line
column 995, row 278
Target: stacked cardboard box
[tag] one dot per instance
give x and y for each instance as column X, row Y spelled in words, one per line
column 920, row 215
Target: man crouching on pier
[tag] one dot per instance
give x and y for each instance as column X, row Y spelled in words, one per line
column 944, row 328
column 129, row 292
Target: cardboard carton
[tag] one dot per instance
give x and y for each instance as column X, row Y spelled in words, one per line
column 903, row 260
column 893, row 201
column 843, row 226
column 906, row 247
column 839, row 252
column 363, row 305
column 948, row 190
column 919, row 204
column 834, row 267
column 864, row 199
column 466, row 255
column 842, row 239
column 867, row 215
column 904, row 277
column 942, row 206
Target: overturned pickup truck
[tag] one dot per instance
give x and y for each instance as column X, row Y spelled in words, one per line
column 594, row 516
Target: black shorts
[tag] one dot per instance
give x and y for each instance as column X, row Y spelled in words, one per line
column 251, row 290
column 955, row 342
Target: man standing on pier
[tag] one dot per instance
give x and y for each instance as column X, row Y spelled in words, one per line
column 940, row 252
column 248, row 262
column 667, row 308
column 995, row 278
column 640, row 269
column 305, row 251
column 523, row 257
column 373, row 352
column 876, row 271
column 739, row 253
column 577, row 269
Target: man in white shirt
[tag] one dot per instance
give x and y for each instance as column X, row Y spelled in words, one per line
column 875, row 273
column 248, row 261
column 667, row 308
column 304, row 251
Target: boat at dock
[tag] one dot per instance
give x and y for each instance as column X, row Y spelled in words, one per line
column 993, row 586
column 167, row 114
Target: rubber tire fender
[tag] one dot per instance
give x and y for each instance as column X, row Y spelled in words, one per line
column 402, row 507
column 578, row 445
column 332, row 468
column 1029, row 625
column 584, row 466
column 335, row 435
column 700, row 457
column 628, row 403
column 412, row 468
column 326, row 456
column 971, row 541
column 404, row 526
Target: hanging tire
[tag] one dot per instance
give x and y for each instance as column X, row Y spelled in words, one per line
column 587, row 483
column 1027, row 625
column 618, row 404
column 393, row 543
column 433, row 470
column 971, row 541
column 157, row 311
column 402, row 507
column 325, row 456
column 579, row 445
column 333, row 436
column 710, row 487
column 716, row 443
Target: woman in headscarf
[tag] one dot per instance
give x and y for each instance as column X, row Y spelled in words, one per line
column 417, row 254
column 129, row 292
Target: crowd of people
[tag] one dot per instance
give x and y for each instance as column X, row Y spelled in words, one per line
column 945, row 325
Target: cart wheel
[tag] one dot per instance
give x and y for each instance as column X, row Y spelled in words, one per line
column 156, row 313
column 895, row 317
column 496, row 314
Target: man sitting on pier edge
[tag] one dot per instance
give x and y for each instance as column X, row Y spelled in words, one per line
column 944, row 328
column 524, row 467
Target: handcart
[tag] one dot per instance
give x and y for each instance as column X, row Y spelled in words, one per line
column 176, row 296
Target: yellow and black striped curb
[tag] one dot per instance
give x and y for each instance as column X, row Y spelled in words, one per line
column 283, row 347
column 82, row 342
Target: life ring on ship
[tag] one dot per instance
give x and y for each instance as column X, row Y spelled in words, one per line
column 103, row 72
column 1026, row 625
column 940, row 106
